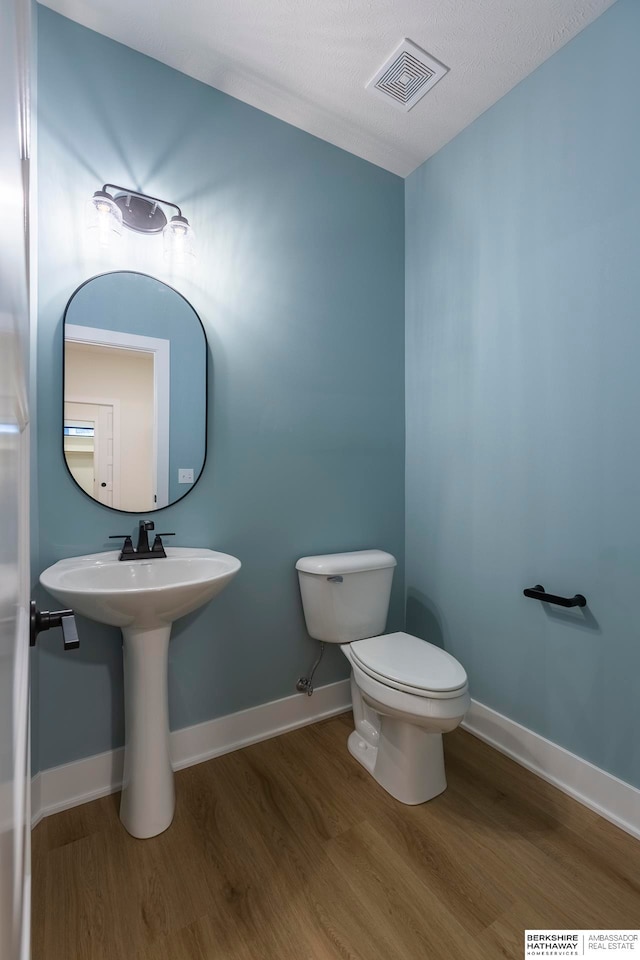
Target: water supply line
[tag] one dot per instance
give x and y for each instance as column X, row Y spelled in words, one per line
column 305, row 684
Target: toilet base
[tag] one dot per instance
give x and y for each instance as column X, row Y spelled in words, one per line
column 406, row 760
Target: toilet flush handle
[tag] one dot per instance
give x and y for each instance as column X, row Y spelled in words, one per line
column 334, row 579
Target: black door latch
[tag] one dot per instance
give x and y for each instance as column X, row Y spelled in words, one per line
column 41, row 620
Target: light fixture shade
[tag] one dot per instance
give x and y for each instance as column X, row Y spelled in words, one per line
column 179, row 240
column 103, row 217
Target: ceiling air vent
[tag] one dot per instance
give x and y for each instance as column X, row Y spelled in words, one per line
column 407, row 75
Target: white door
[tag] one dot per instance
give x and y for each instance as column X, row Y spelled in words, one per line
column 14, row 488
column 101, row 452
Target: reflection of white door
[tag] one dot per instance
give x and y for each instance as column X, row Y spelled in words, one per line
column 160, row 351
column 15, row 869
column 102, row 456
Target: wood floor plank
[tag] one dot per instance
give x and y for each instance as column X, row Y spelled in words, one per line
column 289, row 850
column 75, row 913
column 259, row 870
column 245, row 888
column 79, row 822
column 323, row 747
column 418, row 923
column 319, row 808
column 342, row 923
column 448, row 860
column 559, row 840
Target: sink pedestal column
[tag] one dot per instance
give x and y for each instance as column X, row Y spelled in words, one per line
column 148, row 794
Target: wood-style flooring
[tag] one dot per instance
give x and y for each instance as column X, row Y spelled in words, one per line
column 288, row 850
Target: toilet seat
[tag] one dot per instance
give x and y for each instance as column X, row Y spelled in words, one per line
column 403, row 662
column 440, row 713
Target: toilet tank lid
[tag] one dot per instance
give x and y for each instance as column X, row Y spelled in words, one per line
column 333, row 564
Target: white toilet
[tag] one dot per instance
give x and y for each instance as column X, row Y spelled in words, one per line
column 406, row 692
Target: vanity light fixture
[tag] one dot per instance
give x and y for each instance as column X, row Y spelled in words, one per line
column 112, row 207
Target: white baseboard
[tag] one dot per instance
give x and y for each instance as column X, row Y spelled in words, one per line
column 613, row 799
column 71, row 784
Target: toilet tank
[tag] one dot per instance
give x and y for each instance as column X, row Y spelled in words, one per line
column 345, row 596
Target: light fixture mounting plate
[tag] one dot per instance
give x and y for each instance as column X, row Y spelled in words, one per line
column 140, row 214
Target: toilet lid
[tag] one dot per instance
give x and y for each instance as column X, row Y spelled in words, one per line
column 408, row 662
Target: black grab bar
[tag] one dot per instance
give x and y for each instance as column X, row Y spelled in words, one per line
column 538, row 593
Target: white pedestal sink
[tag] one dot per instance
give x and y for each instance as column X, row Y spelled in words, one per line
column 143, row 598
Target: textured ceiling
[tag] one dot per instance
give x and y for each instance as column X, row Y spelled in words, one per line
column 308, row 61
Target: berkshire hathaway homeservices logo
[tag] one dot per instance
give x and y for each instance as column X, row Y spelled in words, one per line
column 580, row 943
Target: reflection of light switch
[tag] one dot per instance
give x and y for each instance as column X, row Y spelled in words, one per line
column 185, row 476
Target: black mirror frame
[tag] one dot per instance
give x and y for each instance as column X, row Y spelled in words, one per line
column 192, row 486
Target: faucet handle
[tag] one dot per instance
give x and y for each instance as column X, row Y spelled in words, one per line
column 158, row 546
column 127, row 547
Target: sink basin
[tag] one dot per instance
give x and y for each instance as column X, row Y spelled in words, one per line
column 140, row 593
column 143, row 598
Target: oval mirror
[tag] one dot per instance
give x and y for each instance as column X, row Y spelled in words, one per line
column 135, row 392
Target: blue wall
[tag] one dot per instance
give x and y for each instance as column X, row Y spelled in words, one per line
column 523, row 392
column 300, row 286
column 131, row 303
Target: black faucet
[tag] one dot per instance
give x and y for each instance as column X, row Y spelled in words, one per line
column 142, row 551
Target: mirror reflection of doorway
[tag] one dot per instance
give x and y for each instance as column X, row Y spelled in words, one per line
column 109, row 423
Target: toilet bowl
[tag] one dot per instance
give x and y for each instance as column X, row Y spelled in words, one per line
column 398, row 727
column 405, row 691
